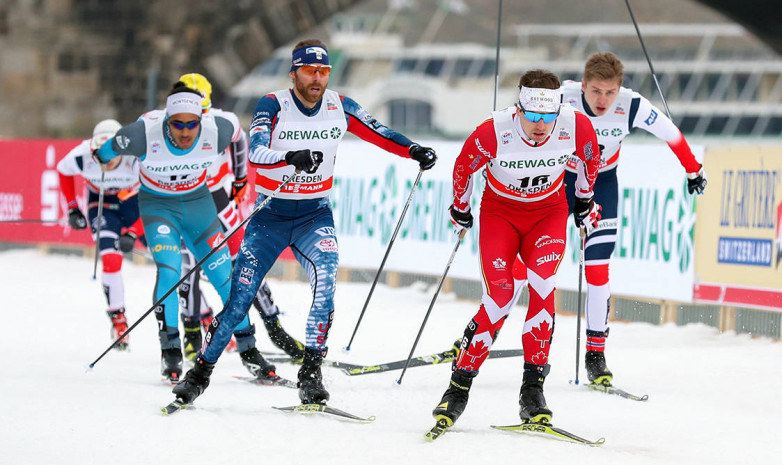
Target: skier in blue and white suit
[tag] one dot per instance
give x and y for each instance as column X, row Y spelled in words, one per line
column 297, row 130
column 175, row 147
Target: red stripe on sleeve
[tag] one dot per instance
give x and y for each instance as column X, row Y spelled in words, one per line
column 683, row 152
column 68, row 189
column 358, row 128
column 477, row 150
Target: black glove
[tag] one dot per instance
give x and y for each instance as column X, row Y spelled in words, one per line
column 76, row 219
column 460, row 220
column 239, row 190
column 696, row 182
column 126, row 242
column 586, row 213
column 425, row 156
column 304, row 160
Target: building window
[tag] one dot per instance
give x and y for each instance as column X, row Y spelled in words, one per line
column 410, row 116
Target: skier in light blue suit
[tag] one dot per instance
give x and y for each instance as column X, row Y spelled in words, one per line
column 175, row 148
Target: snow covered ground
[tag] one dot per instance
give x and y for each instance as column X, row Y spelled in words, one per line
column 714, row 398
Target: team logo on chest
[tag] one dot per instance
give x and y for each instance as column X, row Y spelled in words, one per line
column 506, row 137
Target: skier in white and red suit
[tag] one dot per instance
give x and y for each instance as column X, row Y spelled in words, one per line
column 614, row 111
column 523, row 211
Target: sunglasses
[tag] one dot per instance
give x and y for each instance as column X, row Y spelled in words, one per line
column 310, row 70
column 179, row 125
column 534, row 117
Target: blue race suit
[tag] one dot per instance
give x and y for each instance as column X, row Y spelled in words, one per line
column 300, row 214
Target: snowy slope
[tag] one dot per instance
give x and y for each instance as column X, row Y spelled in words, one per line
column 714, row 398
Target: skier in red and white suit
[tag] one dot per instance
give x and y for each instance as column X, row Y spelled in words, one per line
column 614, row 111
column 523, row 211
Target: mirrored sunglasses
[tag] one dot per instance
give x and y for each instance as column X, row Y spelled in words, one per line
column 534, row 117
column 179, row 125
column 310, row 70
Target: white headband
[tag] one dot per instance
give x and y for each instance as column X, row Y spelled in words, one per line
column 183, row 102
column 540, row 100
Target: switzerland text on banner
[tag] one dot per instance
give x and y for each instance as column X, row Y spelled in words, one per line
column 739, row 235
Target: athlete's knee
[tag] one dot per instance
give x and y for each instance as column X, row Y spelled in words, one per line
column 112, row 262
column 519, row 269
column 597, row 275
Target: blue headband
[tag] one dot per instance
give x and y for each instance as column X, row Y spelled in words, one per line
column 309, row 55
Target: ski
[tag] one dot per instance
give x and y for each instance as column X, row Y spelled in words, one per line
column 175, row 406
column 351, row 369
column 278, row 381
column 549, row 430
column 308, row 409
column 611, row 389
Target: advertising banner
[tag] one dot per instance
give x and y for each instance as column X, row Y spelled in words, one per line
column 654, row 251
column 738, row 235
column 30, row 192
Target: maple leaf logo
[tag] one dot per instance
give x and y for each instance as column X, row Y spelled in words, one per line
column 540, row 358
column 542, row 333
column 473, row 357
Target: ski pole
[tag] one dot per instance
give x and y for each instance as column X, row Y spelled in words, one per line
column 32, row 221
column 383, row 263
column 197, row 266
column 99, row 219
column 648, row 60
column 582, row 237
column 439, row 285
column 497, row 57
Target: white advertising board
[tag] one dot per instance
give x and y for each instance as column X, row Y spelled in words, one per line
column 653, row 256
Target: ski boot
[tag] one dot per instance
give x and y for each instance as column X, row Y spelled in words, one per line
column 311, row 390
column 283, row 340
column 257, row 365
column 119, row 327
column 192, row 340
column 195, row 381
column 171, row 364
column 532, row 404
column 455, row 398
column 597, row 371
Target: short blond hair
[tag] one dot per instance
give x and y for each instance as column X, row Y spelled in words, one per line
column 604, row 66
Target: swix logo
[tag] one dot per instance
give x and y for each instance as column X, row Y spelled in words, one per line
column 548, row 258
column 499, row 264
column 480, row 147
column 215, row 240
